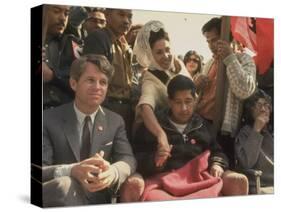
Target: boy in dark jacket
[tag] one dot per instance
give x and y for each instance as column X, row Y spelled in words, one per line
column 189, row 136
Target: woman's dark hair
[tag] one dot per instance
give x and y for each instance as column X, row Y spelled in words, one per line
column 250, row 103
column 180, row 83
column 191, row 53
column 155, row 36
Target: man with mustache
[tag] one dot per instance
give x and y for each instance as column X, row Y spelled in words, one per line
column 110, row 41
column 57, row 56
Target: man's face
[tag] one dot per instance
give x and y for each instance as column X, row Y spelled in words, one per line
column 182, row 106
column 57, row 18
column 119, row 21
column 212, row 37
column 90, row 90
column 95, row 21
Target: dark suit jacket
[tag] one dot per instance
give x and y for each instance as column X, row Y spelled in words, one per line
column 61, row 140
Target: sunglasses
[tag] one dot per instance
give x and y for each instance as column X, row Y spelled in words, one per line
column 193, row 60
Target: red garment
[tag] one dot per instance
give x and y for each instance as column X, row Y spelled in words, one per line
column 242, row 30
column 206, row 104
column 257, row 35
column 190, row 181
column 265, row 47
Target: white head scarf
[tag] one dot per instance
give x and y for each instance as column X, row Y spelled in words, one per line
column 142, row 48
column 143, row 51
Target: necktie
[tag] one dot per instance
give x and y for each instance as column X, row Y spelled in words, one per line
column 86, row 140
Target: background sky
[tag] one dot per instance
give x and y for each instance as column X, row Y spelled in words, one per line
column 184, row 29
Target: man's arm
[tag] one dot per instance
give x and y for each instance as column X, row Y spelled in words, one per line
column 240, row 70
column 241, row 74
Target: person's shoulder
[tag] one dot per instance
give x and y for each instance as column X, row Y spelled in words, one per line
column 243, row 56
column 245, row 129
column 68, row 37
column 199, row 120
column 150, row 79
column 56, row 112
column 110, row 115
column 100, row 34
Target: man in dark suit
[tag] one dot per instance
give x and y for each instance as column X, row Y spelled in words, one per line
column 86, row 154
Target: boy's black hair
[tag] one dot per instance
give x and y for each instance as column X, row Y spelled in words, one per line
column 180, row 83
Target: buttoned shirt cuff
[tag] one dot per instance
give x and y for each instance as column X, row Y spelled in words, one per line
column 63, row 170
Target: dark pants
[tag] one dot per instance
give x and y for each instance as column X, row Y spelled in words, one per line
column 227, row 144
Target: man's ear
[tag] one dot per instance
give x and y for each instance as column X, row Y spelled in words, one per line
column 73, row 84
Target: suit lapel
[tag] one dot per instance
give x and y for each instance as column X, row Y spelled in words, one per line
column 71, row 131
column 99, row 129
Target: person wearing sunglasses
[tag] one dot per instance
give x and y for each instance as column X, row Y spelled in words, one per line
column 96, row 20
column 193, row 63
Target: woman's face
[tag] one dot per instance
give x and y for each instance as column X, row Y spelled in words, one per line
column 162, row 54
column 262, row 107
column 192, row 64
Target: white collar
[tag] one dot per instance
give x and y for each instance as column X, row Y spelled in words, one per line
column 81, row 116
column 180, row 127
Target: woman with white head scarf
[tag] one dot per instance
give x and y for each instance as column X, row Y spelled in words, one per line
column 152, row 50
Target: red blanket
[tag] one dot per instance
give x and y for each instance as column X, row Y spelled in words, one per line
column 190, row 181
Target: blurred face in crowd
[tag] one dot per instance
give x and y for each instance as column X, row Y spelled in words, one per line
column 161, row 52
column 262, row 107
column 182, row 106
column 119, row 21
column 95, row 21
column 192, row 64
column 132, row 34
column 57, row 18
column 212, row 37
column 90, row 89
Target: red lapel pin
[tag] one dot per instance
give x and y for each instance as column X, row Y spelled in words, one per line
column 193, row 141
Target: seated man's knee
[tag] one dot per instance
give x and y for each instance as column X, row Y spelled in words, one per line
column 56, row 192
column 234, row 184
column 132, row 189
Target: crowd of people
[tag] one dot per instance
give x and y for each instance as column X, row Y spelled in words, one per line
column 126, row 120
